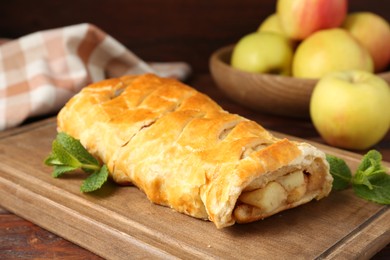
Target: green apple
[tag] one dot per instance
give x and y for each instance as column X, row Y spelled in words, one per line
column 301, row 18
column 351, row 109
column 263, row 52
column 373, row 32
column 271, row 24
column 330, row 50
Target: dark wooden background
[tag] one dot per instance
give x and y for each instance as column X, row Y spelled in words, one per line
column 155, row 30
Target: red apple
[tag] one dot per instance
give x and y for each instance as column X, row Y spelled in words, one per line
column 300, row 18
column 373, row 32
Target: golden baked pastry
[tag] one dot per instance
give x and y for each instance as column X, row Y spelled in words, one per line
column 185, row 152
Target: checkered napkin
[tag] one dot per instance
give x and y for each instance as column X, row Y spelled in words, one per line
column 41, row 71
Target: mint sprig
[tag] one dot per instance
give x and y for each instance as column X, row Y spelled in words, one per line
column 370, row 181
column 68, row 155
column 95, row 180
column 340, row 171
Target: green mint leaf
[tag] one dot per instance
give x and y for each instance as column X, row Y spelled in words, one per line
column 370, row 163
column 68, row 151
column 68, row 155
column 380, row 191
column 63, row 156
column 371, row 182
column 76, row 149
column 95, row 180
column 369, row 166
column 340, row 171
column 61, row 169
column 52, row 160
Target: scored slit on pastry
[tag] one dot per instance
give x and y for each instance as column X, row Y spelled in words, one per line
column 227, row 129
column 253, row 148
column 185, row 152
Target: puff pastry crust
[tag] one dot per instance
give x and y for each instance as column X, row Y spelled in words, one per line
column 185, row 152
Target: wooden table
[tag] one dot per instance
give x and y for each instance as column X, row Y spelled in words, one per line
column 20, row 238
column 178, row 30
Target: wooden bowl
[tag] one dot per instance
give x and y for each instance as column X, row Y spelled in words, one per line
column 273, row 94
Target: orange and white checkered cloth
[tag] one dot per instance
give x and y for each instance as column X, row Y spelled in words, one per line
column 39, row 72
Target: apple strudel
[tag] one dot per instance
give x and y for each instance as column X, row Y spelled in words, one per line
column 185, row 152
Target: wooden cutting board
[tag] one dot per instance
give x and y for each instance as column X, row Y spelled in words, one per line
column 119, row 222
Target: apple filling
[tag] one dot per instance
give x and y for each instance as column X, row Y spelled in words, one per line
column 281, row 193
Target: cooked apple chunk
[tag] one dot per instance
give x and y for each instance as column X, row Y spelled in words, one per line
column 284, row 190
column 267, row 199
column 295, row 185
